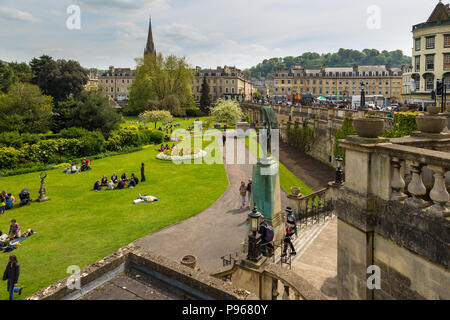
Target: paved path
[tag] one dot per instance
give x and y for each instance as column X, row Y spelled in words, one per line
column 215, row 232
column 312, row 172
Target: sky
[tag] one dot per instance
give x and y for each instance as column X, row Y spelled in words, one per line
column 209, row 33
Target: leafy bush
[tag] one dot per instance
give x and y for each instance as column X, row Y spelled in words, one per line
column 62, row 165
column 9, row 157
column 73, row 132
column 346, row 130
column 157, row 137
column 16, row 140
column 403, row 124
column 299, row 137
column 194, row 112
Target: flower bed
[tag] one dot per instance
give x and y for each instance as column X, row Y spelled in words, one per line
column 181, row 154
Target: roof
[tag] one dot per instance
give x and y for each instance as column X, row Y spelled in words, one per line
column 440, row 13
column 372, row 68
column 338, row 69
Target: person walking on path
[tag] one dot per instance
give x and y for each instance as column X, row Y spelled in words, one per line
column 243, row 193
column 249, row 192
column 11, row 274
column 267, row 234
column 291, row 229
column 224, row 138
column 142, row 172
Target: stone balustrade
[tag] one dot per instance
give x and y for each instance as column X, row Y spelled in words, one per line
column 412, row 160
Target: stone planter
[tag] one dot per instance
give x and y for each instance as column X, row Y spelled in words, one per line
column 368, row 127
column 189, row 261
column 295, row 191
column 433, row 110
column 403, row 109
column 431, row 124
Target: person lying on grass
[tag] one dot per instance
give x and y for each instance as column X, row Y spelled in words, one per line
column 147, row 198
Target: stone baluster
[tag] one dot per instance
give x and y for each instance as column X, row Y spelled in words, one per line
column 275, row 292
column 439, row 193
column 397, row 182
column 416, row 187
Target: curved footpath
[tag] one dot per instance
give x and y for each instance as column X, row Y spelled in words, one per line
column 220, row 229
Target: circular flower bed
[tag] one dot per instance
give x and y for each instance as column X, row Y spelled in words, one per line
column 181, row 154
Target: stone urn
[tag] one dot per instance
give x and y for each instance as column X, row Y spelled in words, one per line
column 431, row 123
column 295, row 191
column 433, row 110
column 189, row 261
column 368, row 127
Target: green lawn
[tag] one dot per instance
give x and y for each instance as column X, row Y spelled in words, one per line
column 287, row 178
column 79, row 226
column 184, row 123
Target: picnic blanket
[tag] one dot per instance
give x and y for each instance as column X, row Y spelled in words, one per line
column 141, row 200
column 14, row 244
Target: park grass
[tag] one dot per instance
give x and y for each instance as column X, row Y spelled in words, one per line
column 184, row 123
column 287, row 178
column 79, row 226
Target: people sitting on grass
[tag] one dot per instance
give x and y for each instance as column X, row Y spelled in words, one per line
column 2, row 204
column 133, row 181
column 85, row 165
column 14, row 230
column 124, row 176
column 114, row 178
column 74, row 168
column 97, row 186
column 104, row 182
column 121, row 184
column 110, row 185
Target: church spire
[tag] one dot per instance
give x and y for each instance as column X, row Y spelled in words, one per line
column 150, row 48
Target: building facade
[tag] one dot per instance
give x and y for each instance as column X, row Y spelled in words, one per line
column 227, row 82
column 344, row 82
column 116, row 83
column 92, row 83
column 431, row 55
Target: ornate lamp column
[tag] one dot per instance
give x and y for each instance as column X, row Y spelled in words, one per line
column 254, row 238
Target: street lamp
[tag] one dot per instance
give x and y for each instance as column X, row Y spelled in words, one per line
column 339, row 173
column 254, row 239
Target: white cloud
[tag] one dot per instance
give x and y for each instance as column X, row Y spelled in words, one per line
column 133, row 5
column 178, row 32
column 19, row 15
column 129, row 31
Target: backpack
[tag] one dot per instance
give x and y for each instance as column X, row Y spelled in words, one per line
column 269, row 233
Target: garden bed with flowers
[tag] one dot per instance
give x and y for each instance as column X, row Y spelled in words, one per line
column 181, row 154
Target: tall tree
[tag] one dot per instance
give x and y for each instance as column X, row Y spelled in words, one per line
column 205, row 100
column 25, row 109
column 6, row 76
column 90, row 110
column 157, row 78
column 22, row 71
column 60, row 78
column 155, row 116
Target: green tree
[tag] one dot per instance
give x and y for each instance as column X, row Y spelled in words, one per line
column 22, row 71
column 227, row 111
column 25, row 109
column 172, row 104
column 157, row 78
column 90, row 110
column 257, row 95
column 155, row 116
column 205, row 100
column 60, row 78
column 6, row 77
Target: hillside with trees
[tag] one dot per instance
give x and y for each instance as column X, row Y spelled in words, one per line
column 342, row 58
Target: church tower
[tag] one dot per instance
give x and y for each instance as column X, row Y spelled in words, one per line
column 150, row 48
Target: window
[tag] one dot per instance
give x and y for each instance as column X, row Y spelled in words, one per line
column 429, row 62
column 446, row 40
column 417, row 63
column 417, row 44
column 430, row 42
column 429, row 85
column 447, row 61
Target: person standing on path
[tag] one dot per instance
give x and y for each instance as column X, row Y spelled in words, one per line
column 11, row 274
column 243, row 193
column 249, row 191
column 142, row 172
column 291, row 229
column 224, row 138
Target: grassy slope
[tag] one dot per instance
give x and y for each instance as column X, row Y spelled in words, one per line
column 79, row 226
column 287, row 178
